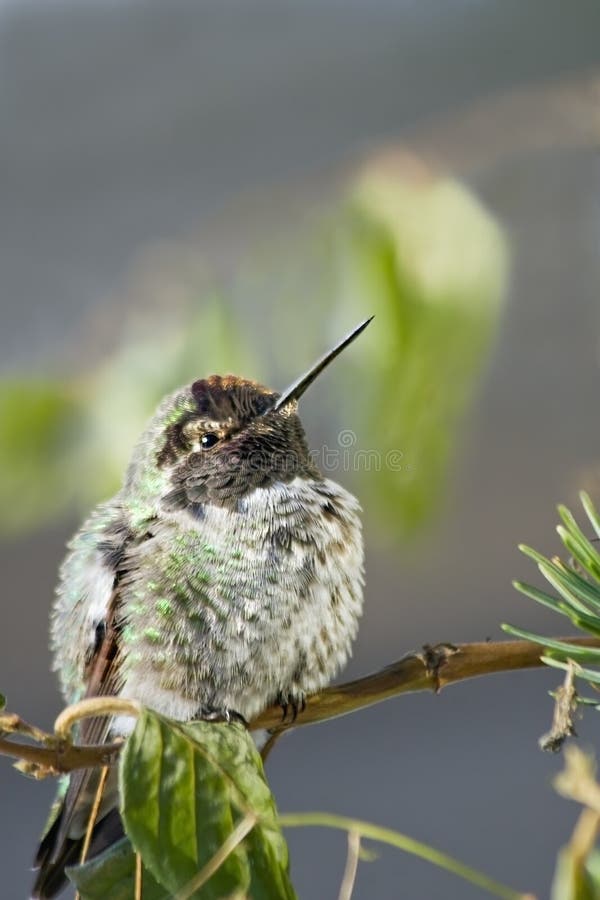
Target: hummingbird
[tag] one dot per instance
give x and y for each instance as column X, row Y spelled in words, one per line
column 225, row 576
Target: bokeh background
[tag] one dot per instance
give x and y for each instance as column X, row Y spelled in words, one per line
column 205, row 187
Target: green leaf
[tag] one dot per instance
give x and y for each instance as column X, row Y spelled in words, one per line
column 185, row 788
column 540, row 597
column 532, row 554
column 585, row 555
column 577, row 536
column 572, row 651
column 591, row 624
column 587, row 591
column 578, row 585
column 581, row 701
column 587, row 674
column 569, row 586
column 590, row 511
column 2, row 702
column 112, row 874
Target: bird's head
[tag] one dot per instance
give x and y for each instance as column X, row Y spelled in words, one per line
column 222, row 437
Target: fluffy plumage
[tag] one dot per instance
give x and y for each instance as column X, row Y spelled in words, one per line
column 226, row 574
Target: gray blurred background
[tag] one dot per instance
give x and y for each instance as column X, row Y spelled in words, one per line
column 132, row 123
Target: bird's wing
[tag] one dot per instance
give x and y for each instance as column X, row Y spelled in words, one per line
column 61, row 845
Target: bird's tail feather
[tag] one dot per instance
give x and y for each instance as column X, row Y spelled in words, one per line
column 63, row 842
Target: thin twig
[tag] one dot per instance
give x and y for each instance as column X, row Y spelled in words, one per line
column 565, row 706
column 432, row 670
column 138, row 877
column 94, row 814
column 351, row 868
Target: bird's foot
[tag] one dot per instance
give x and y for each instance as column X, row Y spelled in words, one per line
column 292, row 704
column 220, row 714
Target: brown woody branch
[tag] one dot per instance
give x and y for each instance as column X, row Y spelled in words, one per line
column 57, row 756
column 432, row 669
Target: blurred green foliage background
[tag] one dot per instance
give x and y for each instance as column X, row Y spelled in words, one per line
column 398, row 240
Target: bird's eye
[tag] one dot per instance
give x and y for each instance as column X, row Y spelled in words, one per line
column 209, row 440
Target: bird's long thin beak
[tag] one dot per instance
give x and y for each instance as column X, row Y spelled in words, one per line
column 295, row 390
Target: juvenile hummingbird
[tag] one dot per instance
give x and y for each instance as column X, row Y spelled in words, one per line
column 225, row 576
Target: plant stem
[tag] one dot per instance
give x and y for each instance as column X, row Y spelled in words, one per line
column 406, row 843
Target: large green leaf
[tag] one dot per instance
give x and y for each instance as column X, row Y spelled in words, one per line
column 112, row 875
column 185, row 789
